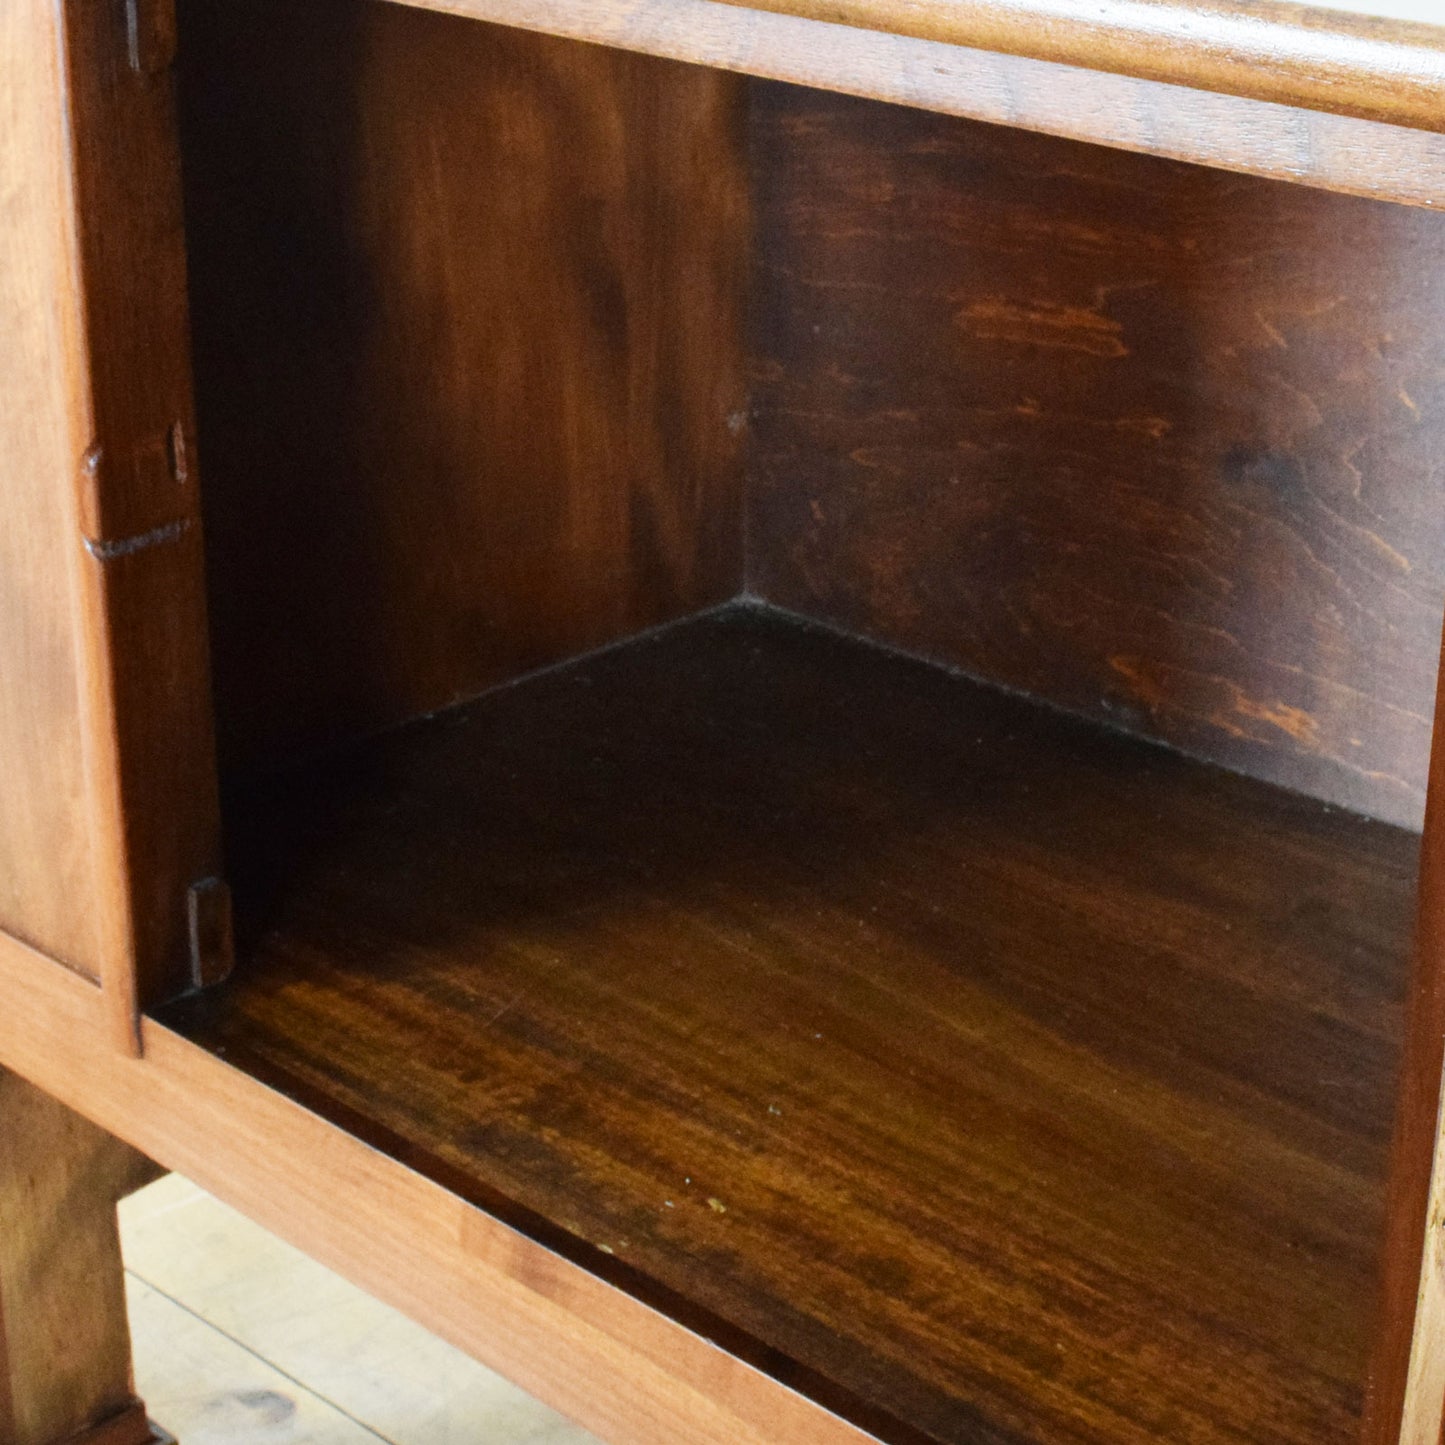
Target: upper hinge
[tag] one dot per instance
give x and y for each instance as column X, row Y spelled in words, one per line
column 137, row 497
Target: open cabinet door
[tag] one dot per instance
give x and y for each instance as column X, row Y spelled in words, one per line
column 109, row 833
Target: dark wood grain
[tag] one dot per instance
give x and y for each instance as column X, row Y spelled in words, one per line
column 150, row 758
column 988, row 1076
column 1157, row 444
column 1257, row 137
column 468, row 338
column 1288, row 63
column 599, row 1355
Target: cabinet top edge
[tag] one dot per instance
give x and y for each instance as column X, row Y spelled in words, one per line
column 1368, row 66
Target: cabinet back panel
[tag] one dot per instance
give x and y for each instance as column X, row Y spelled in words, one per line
column 468, row 346
column 1159, row 444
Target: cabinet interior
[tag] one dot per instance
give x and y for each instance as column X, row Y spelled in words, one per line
column 823, row 706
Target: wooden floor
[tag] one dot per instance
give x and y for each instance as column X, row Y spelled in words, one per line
column 990, row 1077
column 242, row 1340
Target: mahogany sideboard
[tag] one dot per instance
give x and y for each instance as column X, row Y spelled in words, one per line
column 737, row 699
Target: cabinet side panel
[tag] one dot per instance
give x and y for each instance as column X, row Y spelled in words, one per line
column 467, row 310
column 1405, row 1393
column 45, row 864
column 1156, row 443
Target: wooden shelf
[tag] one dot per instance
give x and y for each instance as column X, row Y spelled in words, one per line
column 1364, row 64
column 983, row 1074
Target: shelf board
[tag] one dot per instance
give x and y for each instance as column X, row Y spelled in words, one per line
column 1371, row 60
column 985, row 1075
column 1364, row 63
column 1326, row 98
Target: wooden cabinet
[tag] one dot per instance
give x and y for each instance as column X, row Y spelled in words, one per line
column 108, row 817
column 738, row 699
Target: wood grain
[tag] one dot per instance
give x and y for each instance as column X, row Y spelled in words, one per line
column 566, row 1336
column 1379, row 69
column 64, row 1340
column 1259, row 137
column 45, row 852
column 1420, row 1419
column 1405, row 1401
column 979, row 1074
column 149, row 756
column 1153, row 443
column 468, row 333
column 108, row 812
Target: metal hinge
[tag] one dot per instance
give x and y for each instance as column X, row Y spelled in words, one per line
column 213, row 949
column 137, row 497
column 150, row 35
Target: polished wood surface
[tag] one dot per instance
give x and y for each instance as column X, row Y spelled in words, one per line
column 1288, row 56
column 130, row 1427
column 1104, row 1167
column 1152, row 442
column 591, row 1350
column 108, row 811
column 980, row 1074
column 1338, row 152
column 149, row 761
column 45, row 843
column 65, row 1374
column 1362, row 65
column 468, row 348
column 1406, row 1397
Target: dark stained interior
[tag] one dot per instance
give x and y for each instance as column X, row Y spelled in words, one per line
column 1157, row 443
column 991, row 1075
column 989, row 1028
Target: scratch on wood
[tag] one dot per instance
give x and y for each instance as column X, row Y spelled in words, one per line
column 1068, row 328
column 125, row 546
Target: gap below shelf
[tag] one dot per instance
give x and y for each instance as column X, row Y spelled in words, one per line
column 985, row 1075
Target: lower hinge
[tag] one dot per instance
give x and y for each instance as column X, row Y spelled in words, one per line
column 213, row 948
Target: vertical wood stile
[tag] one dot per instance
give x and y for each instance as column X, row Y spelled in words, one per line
column 145, row 693
column 1405, row 1400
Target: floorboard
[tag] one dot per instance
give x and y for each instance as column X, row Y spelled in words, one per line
column 242, row 1340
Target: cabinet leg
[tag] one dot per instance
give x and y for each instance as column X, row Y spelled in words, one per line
column 65, row 1362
